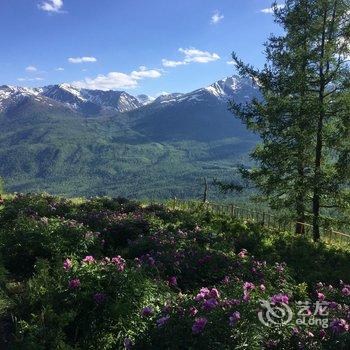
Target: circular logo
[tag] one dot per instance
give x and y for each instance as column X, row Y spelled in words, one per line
column 273, row 314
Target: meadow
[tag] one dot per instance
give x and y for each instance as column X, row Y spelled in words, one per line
column 108, row 273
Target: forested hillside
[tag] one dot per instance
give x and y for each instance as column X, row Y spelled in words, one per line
column 50, row 143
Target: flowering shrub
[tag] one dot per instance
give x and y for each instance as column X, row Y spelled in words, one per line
column 112, row 274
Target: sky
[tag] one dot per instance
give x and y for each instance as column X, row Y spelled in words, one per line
column 140, row 46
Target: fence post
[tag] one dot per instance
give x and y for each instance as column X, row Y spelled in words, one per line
column 331, row 232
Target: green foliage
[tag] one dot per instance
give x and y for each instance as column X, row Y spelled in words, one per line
column 302, row 119
column 79, row 275
column 145, row 154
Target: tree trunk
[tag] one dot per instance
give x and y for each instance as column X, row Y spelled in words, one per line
column 319, row 138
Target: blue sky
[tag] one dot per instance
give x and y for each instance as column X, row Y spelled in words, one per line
column 141, row 46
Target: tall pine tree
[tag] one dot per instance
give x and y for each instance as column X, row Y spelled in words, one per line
column 301, row 117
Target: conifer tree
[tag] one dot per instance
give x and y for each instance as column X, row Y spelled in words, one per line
column 302, row 117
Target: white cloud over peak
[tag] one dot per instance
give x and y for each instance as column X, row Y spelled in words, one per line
column 216, row 17
column 270, row 10
column 192, row 55
column 85, row 59
column 118, row 80
column 31, row 69
column 30, row 79
column 51, row 5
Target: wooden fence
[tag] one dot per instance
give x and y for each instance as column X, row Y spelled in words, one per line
column 270, row 220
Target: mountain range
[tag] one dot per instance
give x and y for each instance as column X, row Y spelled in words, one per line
column 73, row 141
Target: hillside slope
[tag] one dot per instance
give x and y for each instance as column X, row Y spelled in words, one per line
column 157, row 150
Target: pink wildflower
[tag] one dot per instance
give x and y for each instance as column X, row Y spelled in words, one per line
column 321, row 296
column 88, row 259
column 119, row 262
column 214, row 293
column 248, row 286
column 193, row 311
column 67, row 264
column 243, row 253
column 346, row 291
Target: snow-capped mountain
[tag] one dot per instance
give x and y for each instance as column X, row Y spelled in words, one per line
column 88, row 102
column 98, row 102
column 167, row 98
column 222, row 91
column 145, row 99
column 92, row 101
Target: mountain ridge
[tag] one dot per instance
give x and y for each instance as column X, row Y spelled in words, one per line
column 94, row 102
column 157, row 150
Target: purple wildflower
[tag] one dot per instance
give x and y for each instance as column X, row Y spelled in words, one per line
column 234, row 318
column 210, row 304
column 147, row 311
column 74, row 283
column 322, row 333
column 172, row 281
column 246, row 297
column 162, row 321
column 128, row 344
column 339, row 326
column 280, row 298
column 199, row 325
column 99, row 298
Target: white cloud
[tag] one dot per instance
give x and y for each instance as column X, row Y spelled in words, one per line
column 144, row 73
column 30, row 79
column 51, row 5
column 198, row 56
column 31, row 69
column 169, row 63
column 85, row 59
column 216, row 17
column 232, row 63
column 271, row 9
column 59, row 69
column 118, row 80
column 192, row 55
